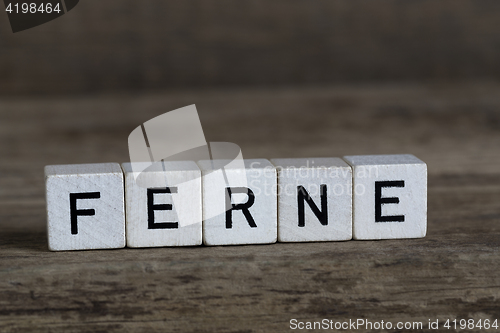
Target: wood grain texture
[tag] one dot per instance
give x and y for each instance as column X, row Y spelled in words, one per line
column 451, row 273
column 118, row 45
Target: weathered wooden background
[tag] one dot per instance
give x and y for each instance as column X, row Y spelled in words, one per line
column 117, row 45
column 452, row 273
column 280, row 79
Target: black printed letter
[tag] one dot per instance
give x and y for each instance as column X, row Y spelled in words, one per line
column 152, row 207
column 379, row 201
column 80, row 212
column 322, row 214
column 243, row 207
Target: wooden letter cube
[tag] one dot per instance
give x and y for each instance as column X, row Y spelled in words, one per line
column 163, row 204
column 390, row 196
column 85, row 206
column 239, row 202
column 314, row 199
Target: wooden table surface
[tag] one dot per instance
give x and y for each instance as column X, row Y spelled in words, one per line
column 452, row 273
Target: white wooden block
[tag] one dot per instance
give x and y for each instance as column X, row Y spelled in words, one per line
column 390, row 196
column 85, row 206
column 164, row 207
column 247, row 213
column 314, row 199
